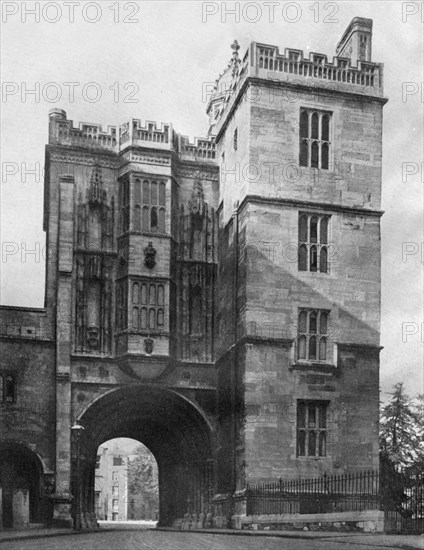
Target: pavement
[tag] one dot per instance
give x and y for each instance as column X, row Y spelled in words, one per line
column 137, row 535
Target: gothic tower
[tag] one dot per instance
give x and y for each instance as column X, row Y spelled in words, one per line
column 298, row 305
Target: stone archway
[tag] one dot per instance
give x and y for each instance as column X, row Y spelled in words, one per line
column 21, row 487
column 177, row 433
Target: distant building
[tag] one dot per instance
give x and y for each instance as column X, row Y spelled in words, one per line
column 111, row 484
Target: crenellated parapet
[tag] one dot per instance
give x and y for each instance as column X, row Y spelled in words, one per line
column 164, row 137
column 201, row 149
column 150, row 134
column 364, row 75
column 349, row 71
column 63, row 132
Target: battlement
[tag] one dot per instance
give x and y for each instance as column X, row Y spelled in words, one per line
column 201, row 149
column 350, row 70
column 133, row 133
column 163, row 136
column 63, row 132
column 364, row 75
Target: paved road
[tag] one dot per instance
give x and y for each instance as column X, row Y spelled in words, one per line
column 137, row 539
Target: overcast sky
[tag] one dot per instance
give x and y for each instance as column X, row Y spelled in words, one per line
column 155, row 68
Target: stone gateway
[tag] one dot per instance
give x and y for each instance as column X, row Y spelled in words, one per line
column 218, row 301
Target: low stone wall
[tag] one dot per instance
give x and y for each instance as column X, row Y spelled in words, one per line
column 369, row 521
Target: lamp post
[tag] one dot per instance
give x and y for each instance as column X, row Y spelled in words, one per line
column 76, row 433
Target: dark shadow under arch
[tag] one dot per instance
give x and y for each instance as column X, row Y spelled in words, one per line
column 21, row 481
column 173, row 428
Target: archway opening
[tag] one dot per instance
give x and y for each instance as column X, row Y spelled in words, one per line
column 21, row 498
column 126, row 486
column 175, row 431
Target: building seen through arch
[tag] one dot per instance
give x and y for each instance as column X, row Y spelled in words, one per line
column 217, row 300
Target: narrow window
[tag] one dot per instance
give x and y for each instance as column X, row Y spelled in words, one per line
column 136, row 297
column 152, row 318
column 314, row 154
column 312, row 428
column 314, row 138
column 162, row 194
column 303, row 257
column 312, row 335
column 235, row 139
column 161, row 220
column 135, row 319
column 153, row 218
column 313, row 241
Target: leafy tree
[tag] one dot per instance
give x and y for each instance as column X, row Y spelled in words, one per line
column 402, row 430
column 402, row 453
column 143, row 485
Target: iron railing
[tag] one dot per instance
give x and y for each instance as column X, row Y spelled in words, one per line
column 338, row 493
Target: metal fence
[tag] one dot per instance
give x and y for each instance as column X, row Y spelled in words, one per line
column 338, row 493
column 399, row 494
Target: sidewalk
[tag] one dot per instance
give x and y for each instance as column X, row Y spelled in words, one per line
column 404, row 542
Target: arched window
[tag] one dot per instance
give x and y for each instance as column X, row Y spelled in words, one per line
column 135, row 319
column 311, row 428
column 322, row 443
column 146, row 192
column 314, row 154
column 301, row 347
column 314, row 126
column 323, row 349
column 153, row 218
column 314, row 138
column 160, row 317
column 153, row 193
column 313, row 322
column 137, row 217
column 152, row 318
column 160, row 295
column 136, row 297
column 325, row 128
column 143, row 318
column 146, row 221
column 137, row 205
column 303, row 155
column 323, row 322
column 144, row 294
column 304, row 124
column 323, row 259
column 303, row 319
column 153, row 296
column 303, row 228
column 303, row 257
column 154, row 205
column 313, row 240
column 324, row 156
column 323, row 231
column 162, row 194
column 312, row 340
column 161, row 220
column 314, row 230
column 313, row 258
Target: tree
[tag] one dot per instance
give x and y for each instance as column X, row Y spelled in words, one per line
column 402, row 454
column 402, row 430
column 143, row 485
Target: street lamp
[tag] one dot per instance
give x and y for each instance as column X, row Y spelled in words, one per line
column 76, row 433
